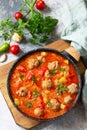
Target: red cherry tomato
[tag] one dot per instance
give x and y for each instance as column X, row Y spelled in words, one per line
column 14, row 49
column 18, row 15
column 40, row 4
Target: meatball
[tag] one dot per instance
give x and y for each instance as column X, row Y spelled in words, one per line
column 55, row 104
column 47, row 74
column 33, row 63
column 41, row 58
column 67, row 99
column 53, row 65
column 47, row 84
column 72, row 88
column 39, row 112
column 23, row 91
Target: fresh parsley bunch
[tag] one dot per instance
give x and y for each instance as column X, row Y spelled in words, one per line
column 32, row 21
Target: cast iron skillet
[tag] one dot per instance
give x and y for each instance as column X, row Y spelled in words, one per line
column 64, row 54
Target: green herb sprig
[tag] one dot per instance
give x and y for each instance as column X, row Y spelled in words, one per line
column 33, row 22
column 61, row 88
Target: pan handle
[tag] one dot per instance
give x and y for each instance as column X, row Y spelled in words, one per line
column 72, row 53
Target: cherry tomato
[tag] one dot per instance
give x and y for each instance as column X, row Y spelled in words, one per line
column 18, row 15
column 40, row 4
column 14, row 49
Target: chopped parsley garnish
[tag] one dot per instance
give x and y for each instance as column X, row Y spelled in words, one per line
column 49, row 104
column 61, row 69
column 29, row 104
column 52, row 72
column 21, row 75
column 33, row 79
column 35, row 93
column 61, row 88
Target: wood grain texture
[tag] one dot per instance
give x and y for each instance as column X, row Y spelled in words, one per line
column 4, row 70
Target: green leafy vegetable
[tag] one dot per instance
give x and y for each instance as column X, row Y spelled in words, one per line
column 29, row 104
column 49, row 104
column 32, row 22
column 40, row 27
column 33, row 79
column 21, row 75
column 52, row 72
column 61, row 88
column 35, row 93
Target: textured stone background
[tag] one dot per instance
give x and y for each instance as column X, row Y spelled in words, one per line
column 75, row 119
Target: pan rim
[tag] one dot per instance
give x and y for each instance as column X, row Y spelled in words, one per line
column 34, row 51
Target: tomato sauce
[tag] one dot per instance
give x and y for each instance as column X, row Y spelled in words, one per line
column 30, row 92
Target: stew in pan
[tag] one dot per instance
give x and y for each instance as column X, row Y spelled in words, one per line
column 44, row 85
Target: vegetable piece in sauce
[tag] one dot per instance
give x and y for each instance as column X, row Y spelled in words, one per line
column 21, row 75
column 33, row 79
column 21, row 68
column 35, row 93
column 52, row 72
column 29, row 104
column 29, row 75
column 63, row 80
column 41, row 105
column 16, row 101
column 42, row 71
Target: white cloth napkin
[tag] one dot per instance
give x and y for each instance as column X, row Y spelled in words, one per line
column 6, row 120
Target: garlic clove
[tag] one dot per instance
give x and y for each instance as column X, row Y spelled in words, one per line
column 3, row 58
column 16, row 37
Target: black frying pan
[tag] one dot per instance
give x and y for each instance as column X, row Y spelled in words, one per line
column 64, row 54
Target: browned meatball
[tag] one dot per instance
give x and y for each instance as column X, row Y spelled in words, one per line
column 33, row 63
column 22, row 91
column 41, row 58
column 53, row 65
column 47, row 84
column 73, row 88
column 55, row 104
column 39, row 112
column 68, row 99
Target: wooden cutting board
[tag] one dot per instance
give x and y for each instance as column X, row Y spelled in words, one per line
column 19, row 118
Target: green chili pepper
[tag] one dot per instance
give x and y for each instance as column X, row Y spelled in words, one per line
column 4, row 47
